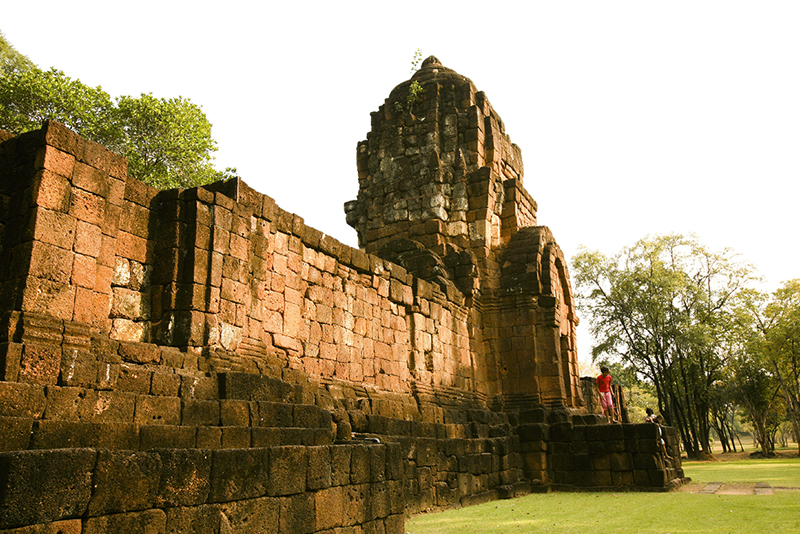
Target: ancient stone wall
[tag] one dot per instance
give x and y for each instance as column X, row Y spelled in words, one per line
column 440, row 192
column 241, row 369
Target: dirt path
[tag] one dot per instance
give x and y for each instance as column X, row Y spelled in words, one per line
column 722, row 488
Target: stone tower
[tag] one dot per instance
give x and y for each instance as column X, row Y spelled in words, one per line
column 441, row 193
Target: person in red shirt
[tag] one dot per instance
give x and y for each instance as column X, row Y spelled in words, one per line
column 604, row 387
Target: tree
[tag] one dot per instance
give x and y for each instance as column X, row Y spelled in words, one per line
column 662, row 306
column 30, row 96
column 10, row 59
column 167, row 142
column 779, row 323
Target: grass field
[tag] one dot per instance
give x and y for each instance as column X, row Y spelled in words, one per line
column 641, row 513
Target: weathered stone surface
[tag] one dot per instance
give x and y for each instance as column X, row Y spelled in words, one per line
column 297, row 514
column 124, row 481
column 185, row 477
column 70, row 526
column 194, row 519
column 144, row 319
column 60, row 480
column 238, row 474
column 149, row 521
column 287, row 470
column 22, row 400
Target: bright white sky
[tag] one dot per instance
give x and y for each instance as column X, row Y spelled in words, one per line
column 634, row 117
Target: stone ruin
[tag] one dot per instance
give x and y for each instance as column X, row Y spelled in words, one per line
column 200, row 360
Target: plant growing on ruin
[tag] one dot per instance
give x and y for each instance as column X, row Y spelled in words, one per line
column 415, row 90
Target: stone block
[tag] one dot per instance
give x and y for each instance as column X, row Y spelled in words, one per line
column 53, row 228
column 51, row 191
column 356, row 509
column 238, row 474
column 165, row 384
column 200, row 413
column 133, row 247
column 107, row 407
column 61, row 480
column 209, row 437
column 133, row 379
column 88, row 239
column 244, row 386
column 360, row 464
column 154, row 436
column 128, row 330
column 306, row 416
column 185, row 477
column 15, row 433
column 124, row 481
column 22, row 400
column 91, row 179
column 199, row 387
column 377, row 463
column 329, row 508
column 395, row 524
column 195, row 519
column 50, row 262
column 297, row 514
column 149, row 521
column 254, row 516
column 601, row 462
column 40, row 364
column 265, row 437
column 157, row 410
column 622, row 478
column 274, row 414
column 319, row 468
column 658, row 477
column 138, row 192
column 645, row 461
column 87, row 207
column 341, row 459
column 379, row 503
column 84, row 272
column 10, row 356
column 135, row 219
column 287, row 470
column 234, row 412
column 236, row 437
column 49, row 434
column 136, row 352
column 69, row 526
column 622, row 462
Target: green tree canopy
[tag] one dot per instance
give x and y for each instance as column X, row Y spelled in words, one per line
column 779, row 323
column 662, row 306
column 167, row 142
column 10, row 59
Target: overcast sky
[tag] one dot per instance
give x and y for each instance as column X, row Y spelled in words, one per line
column 633, row 117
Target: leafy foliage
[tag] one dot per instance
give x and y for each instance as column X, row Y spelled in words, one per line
column 29, row 97
column 167, row 142
column 779, row 324
column 10, row 59
column 663, row 306
column 415, row 90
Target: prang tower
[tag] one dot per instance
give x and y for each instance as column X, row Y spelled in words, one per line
column 441, row 193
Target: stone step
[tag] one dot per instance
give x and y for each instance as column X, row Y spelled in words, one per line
column 20, row 433
column 48, row 434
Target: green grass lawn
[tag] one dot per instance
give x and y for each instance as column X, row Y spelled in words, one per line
column 640, row 513
column 776, row 472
